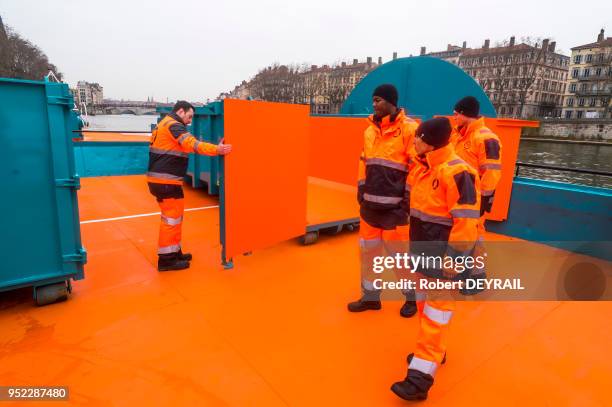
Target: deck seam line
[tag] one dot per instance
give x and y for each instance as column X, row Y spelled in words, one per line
column 142, row 215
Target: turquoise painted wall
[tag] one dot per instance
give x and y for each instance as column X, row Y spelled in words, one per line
column 572, row 217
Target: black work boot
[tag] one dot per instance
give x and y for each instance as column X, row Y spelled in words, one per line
column 411, row 355
column 184, row 256
column 414, row 387
column 408, row 309
column 360, row 305
column 167, row 262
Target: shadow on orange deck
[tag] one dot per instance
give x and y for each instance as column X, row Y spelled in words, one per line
column 274, row 330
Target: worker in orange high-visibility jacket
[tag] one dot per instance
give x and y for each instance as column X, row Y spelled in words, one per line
column 481, row 148
column 444, row 214
column 382, row 193
column 169, row 151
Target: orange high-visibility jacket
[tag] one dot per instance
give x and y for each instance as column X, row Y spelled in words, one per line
column 444, row 200
column 383, row 168
column 169, row 151
column 481, row 148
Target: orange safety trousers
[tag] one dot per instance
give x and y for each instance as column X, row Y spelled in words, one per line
column 171, row 226
column 375, row 242
column 434, row 318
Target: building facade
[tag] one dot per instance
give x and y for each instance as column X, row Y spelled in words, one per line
column 89, row 94
column 324, row 88
column 589, row 91
column 521, row 80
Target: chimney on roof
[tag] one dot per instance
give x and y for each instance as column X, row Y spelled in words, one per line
column 448, row 47
column 545, row 45
column 369, row 60
column 464, row 46
column 355, row 61
column 486, row 44
column 423, row 50
column 395, row 55
column 600, row 37
column 343, row 64
column 379, row 60
column 552, row 46
column 313, row 67
column 512, row 40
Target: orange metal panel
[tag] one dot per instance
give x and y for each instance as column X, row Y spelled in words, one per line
column 336, row 143
column 509, row 133
column 265, row 175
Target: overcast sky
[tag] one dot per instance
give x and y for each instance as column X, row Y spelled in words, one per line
column 196, row 49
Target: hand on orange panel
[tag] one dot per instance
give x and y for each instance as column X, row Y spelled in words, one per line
column 224, row 149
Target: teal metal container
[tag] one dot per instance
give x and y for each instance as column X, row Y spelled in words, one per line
column 207, row 125
column 427, row 87
column 41, row 239
column 105, row 158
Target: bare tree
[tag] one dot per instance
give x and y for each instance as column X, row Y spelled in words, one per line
column 22, row 59
column 531, row 70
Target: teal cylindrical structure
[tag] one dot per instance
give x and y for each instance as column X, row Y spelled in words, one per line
column 427, row 87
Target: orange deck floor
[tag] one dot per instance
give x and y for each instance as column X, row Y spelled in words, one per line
column 274, row 330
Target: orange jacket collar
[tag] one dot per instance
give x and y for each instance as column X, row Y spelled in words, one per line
column 439, row 156
column 475, row 125
column 386, row 122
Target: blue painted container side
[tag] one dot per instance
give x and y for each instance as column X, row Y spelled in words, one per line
column 572, row 217
column 427, row 87
column 101, row 158
column 39, row 182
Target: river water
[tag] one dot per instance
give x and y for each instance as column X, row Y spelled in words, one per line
column 596, row 157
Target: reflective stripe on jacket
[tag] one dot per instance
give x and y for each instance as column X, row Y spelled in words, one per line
column 444, row 201
column 383, row 169
column 169, row 151
column 480, row 147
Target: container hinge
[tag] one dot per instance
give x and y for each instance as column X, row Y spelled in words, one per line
column 74, row 182
column 79, row 257
column 60, row 100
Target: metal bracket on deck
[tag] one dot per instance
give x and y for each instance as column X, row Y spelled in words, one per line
column 60, row 100
column 79, row 257
column 74, row 182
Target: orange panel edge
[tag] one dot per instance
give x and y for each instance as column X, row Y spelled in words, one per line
column 264, row 181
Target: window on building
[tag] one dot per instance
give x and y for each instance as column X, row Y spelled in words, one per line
column 495, row 96
column 579, row 114
column 598, row 72
column 577, row 59
column 510, row 109
column 568, row 114
column 581, row 102
column 589, row 58
column 583, row 87
column 570, row 101
column 587, row 72
column 575, row 73
column 503, row 110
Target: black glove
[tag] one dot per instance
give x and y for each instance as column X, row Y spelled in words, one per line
column 486, row 203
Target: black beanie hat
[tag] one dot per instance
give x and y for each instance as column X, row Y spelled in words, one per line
column 468, row 106
column 435, row 132
column 387, row 92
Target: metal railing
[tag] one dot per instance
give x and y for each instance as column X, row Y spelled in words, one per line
column 520, row 164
